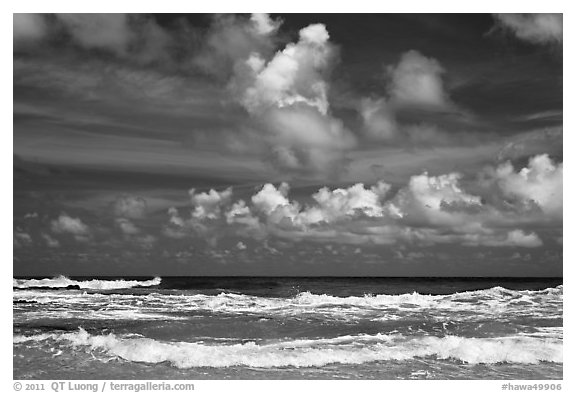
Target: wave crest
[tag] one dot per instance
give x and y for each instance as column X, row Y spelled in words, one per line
column 315, row 353
column 63, row 282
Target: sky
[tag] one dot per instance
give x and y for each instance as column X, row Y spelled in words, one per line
column 297, row 144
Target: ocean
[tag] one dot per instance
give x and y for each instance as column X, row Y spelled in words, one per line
column 287, row 328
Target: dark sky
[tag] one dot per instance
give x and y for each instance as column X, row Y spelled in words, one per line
column 300, row 144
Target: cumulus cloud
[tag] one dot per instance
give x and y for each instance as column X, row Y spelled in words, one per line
column 134, row 235
column 294, row 74
column 231, row 40
column 438, row 200
column 179, row 227
column 263, row 24
column 333, row 205
column 130, row 206
column 130, row 36
column 28, row 28
column 379, row 119
column 417, row 80
column 145, row 241
column 480, row 237
column 381, row 125
column 514, row 238
column 535, row 28
column 301, row 126
column 414, row 83
column 175, row 227
column 241, row 246
column 541, row 141
column 175, row 218
column 283, row 113
column 424, row 200
column 100, row 31
column 66, row 224
column 127, row 227
column 209, row 210
column 287, row 96
column 519, row 238
column 275, row 207
column 241, row 214
column 209, row 204
column 270, row 197
column 21, row 239
column 540, row 182
column 50, row 241
column 428, row 210
column 303, row 140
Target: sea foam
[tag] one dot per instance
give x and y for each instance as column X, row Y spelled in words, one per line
column 473, row 305
column 63, row 282
column 314, row 352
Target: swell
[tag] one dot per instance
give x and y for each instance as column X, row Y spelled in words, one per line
column 311, row 352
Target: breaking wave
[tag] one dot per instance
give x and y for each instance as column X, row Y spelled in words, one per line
column 486, row 300
column 63, row 282
column 495, row 294
column 473, row 305
column 313, row 352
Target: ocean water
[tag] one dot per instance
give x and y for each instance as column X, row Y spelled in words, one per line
column 287, row 328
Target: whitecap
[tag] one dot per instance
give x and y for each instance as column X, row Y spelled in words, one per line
column 63, row 282
column 315, row 352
